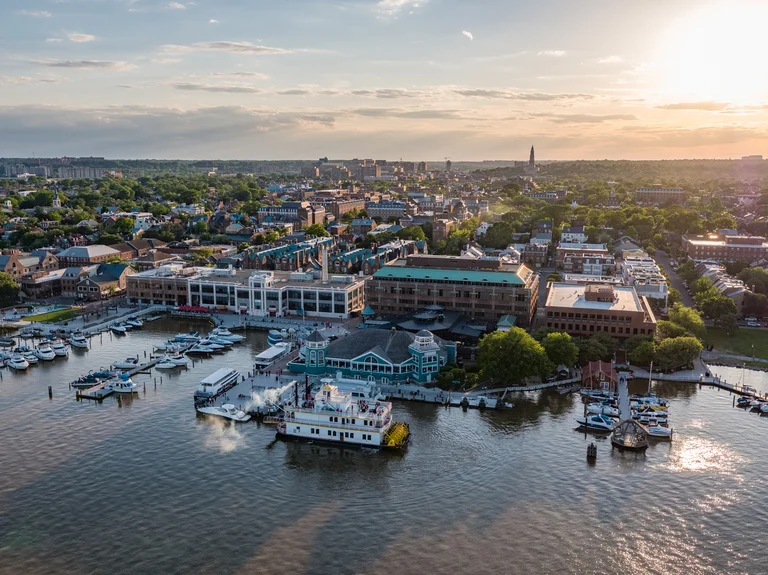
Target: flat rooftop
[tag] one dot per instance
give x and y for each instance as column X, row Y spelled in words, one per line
column 572, row 296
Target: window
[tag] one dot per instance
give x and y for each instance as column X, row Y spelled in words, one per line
column 298, row 429
column 329, row 432
column 353, row 422
column 334, row 434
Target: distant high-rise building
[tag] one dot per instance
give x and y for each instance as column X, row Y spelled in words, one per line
column 422, row 167
column 532, row 160
column 448, row 166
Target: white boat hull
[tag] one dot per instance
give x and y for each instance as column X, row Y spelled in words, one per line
column 226, row 412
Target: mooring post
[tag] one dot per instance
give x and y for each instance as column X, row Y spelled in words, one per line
column 50, row 392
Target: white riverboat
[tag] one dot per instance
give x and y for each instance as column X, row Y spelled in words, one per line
column 79, row 341
column 227, row 411
column 335, row 416
column 217, row 383
column 272, row 355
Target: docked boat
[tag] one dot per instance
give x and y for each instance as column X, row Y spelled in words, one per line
column 603, row 409
column 123, row 384
column 127, row 363
column 134, row 322
column 170, row 346
column 118, row 329
column 166, row 363
column 189, row 337
column 31, row 358
column 764, row 408
column 7, row 342
column 335, row 416
column 743, row 401
column 219, row 341
column 597, row 394
column 198, row 349
column 227, row 411
column 217, row 383
column 596, row 422
column 60, row 348
column 658, row 431
column 22, row 349
column 274, row 337
column 646, row 418
column 272, row 355
column 18, row 362
column 79, row 341
column 226, row 334
column 93, row 378
column 44, row 352
column 208, row 343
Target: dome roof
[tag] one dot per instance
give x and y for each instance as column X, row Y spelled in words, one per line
column 424, row 333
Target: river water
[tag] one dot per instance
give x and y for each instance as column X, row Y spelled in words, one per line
column 148, row 487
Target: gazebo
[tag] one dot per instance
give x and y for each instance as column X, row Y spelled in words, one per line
column 367, row 313
column 629, row 435
column 599, row 375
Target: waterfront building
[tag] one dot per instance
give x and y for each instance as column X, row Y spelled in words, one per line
column 376, row 354
column 82, row 255
column 485, row 289
column 726, row 248
column 582, row 310
column 18, row 264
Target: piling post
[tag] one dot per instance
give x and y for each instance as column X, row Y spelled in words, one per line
column 50, row 392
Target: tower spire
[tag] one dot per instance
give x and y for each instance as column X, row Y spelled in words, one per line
column 531, row 160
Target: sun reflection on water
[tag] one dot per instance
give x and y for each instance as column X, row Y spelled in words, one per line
column 702, row 454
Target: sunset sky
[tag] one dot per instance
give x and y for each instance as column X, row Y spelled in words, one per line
column 417, row 79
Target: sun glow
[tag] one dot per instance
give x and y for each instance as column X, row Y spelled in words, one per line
column 716, row 53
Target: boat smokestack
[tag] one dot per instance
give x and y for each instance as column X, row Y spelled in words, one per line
column 325, row 264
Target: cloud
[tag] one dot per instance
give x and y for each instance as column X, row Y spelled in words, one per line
column 610, row 60
column 225, row 46
column 166, row 60
column 584, row 118
column 293, row 92
column 75, row 37
column 255, row 75
column 391, row 8
column 53, row 40
column 552, row 53
column 425, row 114
column 387, row 93
column 708, row 106
column 34, row 13
column 222, row 89
column 213, row 21
column 468, row 34
column 176, row 6
column 526, row 96
column 85, row 64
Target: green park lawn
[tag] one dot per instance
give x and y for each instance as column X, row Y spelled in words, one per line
column 739, row 343
column 52, row 316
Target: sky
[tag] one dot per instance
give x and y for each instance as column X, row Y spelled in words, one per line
column 389, row 79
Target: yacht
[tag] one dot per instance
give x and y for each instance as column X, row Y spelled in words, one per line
column 179, row 359
column 597, row 394
column 226, row 334
column 190, row 337
column 166, row 363
column 31, row 358
column 170, row 346
column 764, row 408
column 743, row 401
column 44, row 352
column 198, row 349
column 134, row 322
column 658, row 431
column 646, row 418
column 217, row 383
column 118, row 329
column 596, row 422
column 60, row 348
column 219, row 340
column 336, row 416
column 227, row 411
column 127, row 363
column 18, row 362
column 274, row 337
column 122, row 384
column 22, row 349
column 208, row 343
column 602, row 409
column 79, row 341
column 7, row 342
column 272, row 355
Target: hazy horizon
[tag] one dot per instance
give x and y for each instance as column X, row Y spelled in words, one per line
column 383, row 79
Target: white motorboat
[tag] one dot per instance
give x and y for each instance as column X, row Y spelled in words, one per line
column 79, row 341
column 60, row 348
column 170, row 346
column 127, row 363
column 22, row 349
column 227, row 411
column 44, row 352
column 208, row 343
column 757, row 403
column 134, row 322
column 602, row 409
column 646, row 418
column 118, row 329
column 226, row 334
column 658, row 431
column 596, row 422
column 123, row 384
column 31, row 358
column 274, row 337
column 764, row 408
column 198, row 349
column 188, row 337
column 166, row 363
column 220, row 340
column 18, row 362
column 179, row 359
column 597, row 394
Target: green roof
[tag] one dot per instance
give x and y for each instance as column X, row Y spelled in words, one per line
column 475, row 276
column 507, row 321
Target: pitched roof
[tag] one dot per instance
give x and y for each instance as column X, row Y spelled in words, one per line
column 157, row 256
column 392, row 346
column 88, row 252
column 316, row 337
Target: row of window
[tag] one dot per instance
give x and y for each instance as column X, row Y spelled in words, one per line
column 592, row 328
column 591, row 316
column 345, row 434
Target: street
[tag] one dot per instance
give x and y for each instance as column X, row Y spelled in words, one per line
column 663, row 260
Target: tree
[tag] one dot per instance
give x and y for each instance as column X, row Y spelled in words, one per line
column 757, row 278
column 560, row 349
column 512, row 356
column 271, row 236
column 242, row 246
column 702, row 285
column 687, row 271
column 109, row 239
column 755, row 304
column 667, row 329
column 688, row 318
column 591, row 350
column 317, row 230
column 9, row 290
column 674, row 297
column 678, row 351
column 643, row 354
column 554, row 277
column 610, row 344
column 123, row 226
column 716, row 305
column 729, row 322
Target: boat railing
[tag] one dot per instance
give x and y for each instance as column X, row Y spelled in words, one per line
column 356, row 427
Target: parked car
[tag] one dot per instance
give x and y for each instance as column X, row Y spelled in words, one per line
column 753, row 324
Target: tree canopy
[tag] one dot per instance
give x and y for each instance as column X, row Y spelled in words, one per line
column 688, row 318
column 560, row 349
column 9, row 290
column 510, row 357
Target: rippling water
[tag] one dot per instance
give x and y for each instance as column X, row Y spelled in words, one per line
column 147, row 487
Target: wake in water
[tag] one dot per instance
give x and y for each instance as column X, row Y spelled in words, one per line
column 224, row 436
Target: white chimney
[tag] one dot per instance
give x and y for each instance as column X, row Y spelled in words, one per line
column 325, row 264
